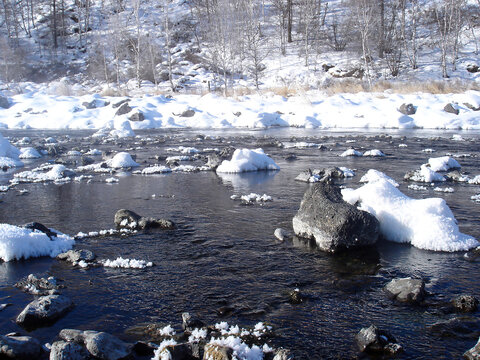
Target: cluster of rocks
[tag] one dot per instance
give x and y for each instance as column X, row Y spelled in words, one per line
column 321, row 175
column 451, row 108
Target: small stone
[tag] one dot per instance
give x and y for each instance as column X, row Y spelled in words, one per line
column 282, row 234
column 406, row 290
column 473, row 68
column 465, row 303
column 295, row 297
column 137, row 116
column 374, row 340
column 283, row 354
column 451, row 108
column 123, row 109
column 407, row 109
column 189, row 324
column 74, row 256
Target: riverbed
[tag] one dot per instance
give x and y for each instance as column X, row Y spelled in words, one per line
column 223, row 263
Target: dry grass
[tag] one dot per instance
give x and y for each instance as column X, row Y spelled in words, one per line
column 403, row 87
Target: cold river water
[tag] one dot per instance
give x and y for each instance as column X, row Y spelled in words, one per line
column 223, row 255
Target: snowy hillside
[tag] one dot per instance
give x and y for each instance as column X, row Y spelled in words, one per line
column 237, row 46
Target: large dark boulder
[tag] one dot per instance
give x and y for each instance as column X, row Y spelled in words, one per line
column 333, row 223
column 131, row 220
column 406, row 290
column 451, row 108
column 20, row 347
column 44, row 311
column 374, row 340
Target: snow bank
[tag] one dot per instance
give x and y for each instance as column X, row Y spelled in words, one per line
column 443, row 163
column 426, row 224
column 20, row 243
column 244, row 160
column 122, row 160
column 313, row 109
column 9, row 154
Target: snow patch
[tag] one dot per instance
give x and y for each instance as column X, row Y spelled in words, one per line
column 244, row 160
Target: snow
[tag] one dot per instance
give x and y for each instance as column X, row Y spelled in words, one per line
column 359, row 110
column 443, row 163
column 29, row 153
column 427, row 224
column 197, row 335
column 351, row 152
column 374, row 153
column 373, row 175
column 156, row 169
column 19, row 243
column 253, row 197
column 120, row 262
column 44, row 173
column 244, row 160
column 9, row 154
column 241, row 351
column 122, row 160
column 167, row 331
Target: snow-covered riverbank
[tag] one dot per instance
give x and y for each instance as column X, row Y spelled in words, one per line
column 39, row 110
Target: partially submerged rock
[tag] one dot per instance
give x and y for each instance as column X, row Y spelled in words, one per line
column 99, row 344
column 374, row 340
column 20, row 347
column 189, row 324
column 129, row 219
column 465, row 303
column 406, row 290
column 473, row 353
column 217, row 352
column 333, row 223
column 282, row 234
column 63, row 350
column 38, row 286
column 75, row 256
column 44, row 311
column 320, row 175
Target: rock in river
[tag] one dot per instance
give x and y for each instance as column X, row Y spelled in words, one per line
column 473, row 353
column 333, row 223
column 374, row 340
column 20, row 347
column 44, row 311
column 63, row 350
column 406, row 289
column 131, row 220
column 101, row 345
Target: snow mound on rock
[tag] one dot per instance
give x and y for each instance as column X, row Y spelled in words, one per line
column 122, row 160
column 20, row 243
column 427, row 224
column 29, row 153
column 443, row 163
column 244, row 160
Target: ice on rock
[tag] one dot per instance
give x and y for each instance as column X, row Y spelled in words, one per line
column 426, row 223
column 122, row 160
column 120, row 262
column 244, row 160
column 374, row 153
column 21, row 243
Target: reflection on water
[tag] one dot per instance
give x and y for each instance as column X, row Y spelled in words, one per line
column 224, row 255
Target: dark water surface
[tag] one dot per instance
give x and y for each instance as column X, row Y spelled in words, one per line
column 225, row 254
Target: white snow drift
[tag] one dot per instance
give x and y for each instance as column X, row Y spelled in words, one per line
column 19, row 243
column 9, row 154
column 426, row 224
column 244, row 160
